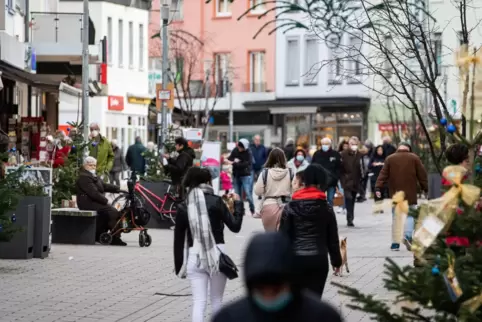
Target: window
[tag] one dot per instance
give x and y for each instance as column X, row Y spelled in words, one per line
column 388, row 48
column 257, row 5
column 131, row 44
column 293, row 62
column 335, row 64
column 110, row 38
column 177, row 10
column 121, row 43
column 257, row 81
column 311, row 59
column 155, row 63
column 355, row 48
column 178, row 71
column 10, row 7
column 141, row 46
column 223, row 8
column 221, row 68
column 437, row 51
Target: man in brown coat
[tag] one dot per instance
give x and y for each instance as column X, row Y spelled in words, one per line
column 402, row 171
column 351, row 176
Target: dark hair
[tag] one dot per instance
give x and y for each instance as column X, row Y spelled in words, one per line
column 340, row 146
column 313, row 175
column 457, row 153
column 196, row 176
column 276, row 159
column 181, row 141
column 300, row 150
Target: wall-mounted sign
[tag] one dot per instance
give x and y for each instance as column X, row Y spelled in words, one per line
column 115, row 103
column 139, row 100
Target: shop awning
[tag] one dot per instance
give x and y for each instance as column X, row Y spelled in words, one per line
column 325, row 103
column 13, row 73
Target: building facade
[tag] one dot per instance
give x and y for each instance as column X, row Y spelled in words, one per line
column 121, row 106
column 228, row 54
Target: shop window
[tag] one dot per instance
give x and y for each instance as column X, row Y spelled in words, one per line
column 129, row 120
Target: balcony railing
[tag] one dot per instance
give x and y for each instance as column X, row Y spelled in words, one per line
column 50, row 27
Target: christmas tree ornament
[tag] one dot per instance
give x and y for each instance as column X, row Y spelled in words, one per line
column 14, row 218
column 435, row 271
column 401, row 212
column 451, row 128
column 473, row 304
column 451, row 281
column 1, row 228
column 459, row 211
column 443, row 122
column 478, row 168
column 68, row 129
column 94, row 144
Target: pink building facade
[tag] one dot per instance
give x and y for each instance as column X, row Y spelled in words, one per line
column 228, row 51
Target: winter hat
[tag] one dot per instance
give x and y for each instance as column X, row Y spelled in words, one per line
column 244, row 143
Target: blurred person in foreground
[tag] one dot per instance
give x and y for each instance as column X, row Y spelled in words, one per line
column 309, row 222
column 402, row 171
column 272, row 292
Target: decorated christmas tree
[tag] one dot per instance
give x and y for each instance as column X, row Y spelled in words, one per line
column 64, row 177
column 155, row 170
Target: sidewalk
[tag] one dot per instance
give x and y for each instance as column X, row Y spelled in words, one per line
column 99, row 283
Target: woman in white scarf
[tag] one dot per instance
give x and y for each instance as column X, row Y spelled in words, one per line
column 199, row 239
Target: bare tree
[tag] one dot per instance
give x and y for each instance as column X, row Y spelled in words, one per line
column 193, row 86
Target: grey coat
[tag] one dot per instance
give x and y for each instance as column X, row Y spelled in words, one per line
column 119, row 161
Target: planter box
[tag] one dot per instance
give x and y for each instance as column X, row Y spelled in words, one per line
column 41, row 246
column 21, row 245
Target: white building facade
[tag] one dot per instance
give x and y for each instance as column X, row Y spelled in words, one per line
column 121, row 109
column 313, row 99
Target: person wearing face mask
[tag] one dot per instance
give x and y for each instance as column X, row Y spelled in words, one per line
column 90, row 196
column 330, row 160
column 310, row 223
column 273, row 294
column 352, row 173
column 298, row 162
column 100, row 149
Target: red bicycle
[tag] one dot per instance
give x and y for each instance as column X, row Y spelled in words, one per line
column 164, row 207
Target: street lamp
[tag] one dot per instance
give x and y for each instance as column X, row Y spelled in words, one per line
column 164, row 9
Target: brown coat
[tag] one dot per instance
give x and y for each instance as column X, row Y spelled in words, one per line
column 402, row 171
column 351, row 170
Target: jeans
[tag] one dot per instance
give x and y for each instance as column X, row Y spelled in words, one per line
column 350, row 198
column 409, row 223
column 200, row 282
column 330, row 195
column 244, row 184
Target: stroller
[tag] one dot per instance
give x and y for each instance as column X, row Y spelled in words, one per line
column 133, row 217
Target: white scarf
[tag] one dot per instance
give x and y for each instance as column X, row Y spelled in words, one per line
column 204, row 246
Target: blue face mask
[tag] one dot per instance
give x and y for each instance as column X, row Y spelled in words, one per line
column 275, row 305
column 325, row 147
column 300, row 158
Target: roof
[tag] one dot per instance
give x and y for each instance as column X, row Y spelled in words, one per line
column 324, row 102
column 11, row 72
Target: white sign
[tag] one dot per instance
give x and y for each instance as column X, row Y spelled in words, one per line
column 193, row 134
column 165, row 95
column 211, row 159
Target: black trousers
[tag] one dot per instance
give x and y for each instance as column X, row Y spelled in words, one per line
column 350, row 199
column 115, row 177
column 312, row 272
column 107, row 218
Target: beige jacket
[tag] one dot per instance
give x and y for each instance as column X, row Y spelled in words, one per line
column 278, row 184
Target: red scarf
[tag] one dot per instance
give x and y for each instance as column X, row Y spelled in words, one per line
column 308, row 193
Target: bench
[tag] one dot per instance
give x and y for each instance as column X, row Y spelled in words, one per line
column 73, row 226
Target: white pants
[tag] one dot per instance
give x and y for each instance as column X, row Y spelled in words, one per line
column 200, row 280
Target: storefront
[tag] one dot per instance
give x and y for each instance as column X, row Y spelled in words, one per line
column 307, row 121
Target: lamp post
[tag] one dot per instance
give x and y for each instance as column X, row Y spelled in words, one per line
column 85, row 68
column 207, row 73
column 165, row 77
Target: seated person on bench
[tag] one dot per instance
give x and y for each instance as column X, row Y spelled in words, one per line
column 90, row 196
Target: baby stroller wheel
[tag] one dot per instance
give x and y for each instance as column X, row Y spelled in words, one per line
column 142, row 240
column 105, row 238
column 148, row 240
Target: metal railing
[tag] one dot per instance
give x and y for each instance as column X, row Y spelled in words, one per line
column 54, row 27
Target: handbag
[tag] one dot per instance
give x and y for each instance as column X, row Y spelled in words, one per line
column 227, row 266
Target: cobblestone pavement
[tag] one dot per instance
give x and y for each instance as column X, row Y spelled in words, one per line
column 99, row 283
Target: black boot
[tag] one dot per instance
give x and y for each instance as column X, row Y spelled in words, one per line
column 117, row 241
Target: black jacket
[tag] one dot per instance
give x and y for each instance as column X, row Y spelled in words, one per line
column 90, row 191
column 388, row 149
column 243, row 167
column 219, row 215
column 312, row 228
column 331, row 161
column 289, row 151
column 178, row 167
column 269, row 258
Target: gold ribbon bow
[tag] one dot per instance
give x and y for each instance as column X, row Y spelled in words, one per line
column 467, row 192
column 473, row 303
column 401, row 205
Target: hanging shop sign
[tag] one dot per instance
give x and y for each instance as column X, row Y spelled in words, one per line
column 139, row 100
column 115, row 103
